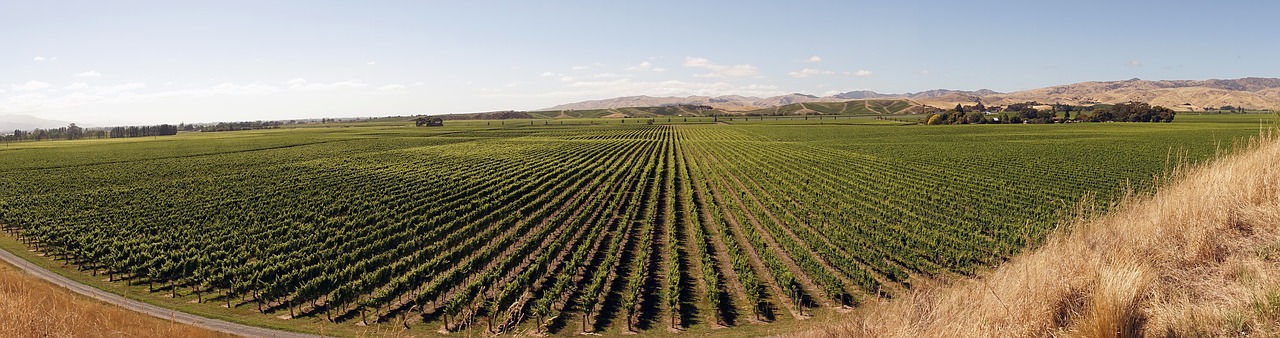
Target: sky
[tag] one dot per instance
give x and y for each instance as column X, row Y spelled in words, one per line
column 147, row 62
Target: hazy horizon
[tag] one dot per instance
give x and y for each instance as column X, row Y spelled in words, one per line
column 139, row 62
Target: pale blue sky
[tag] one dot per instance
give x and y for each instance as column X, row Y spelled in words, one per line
column 104, row 62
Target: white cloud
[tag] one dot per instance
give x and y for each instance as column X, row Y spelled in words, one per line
column 21, row 103
column 1133, row 64
column 814, row 58
column 807, row 72
column 392, row 87
column 302, row 84
column 419, row 84
column 625, row 86
column 696, row 62
column 39, row 58
column 31, row 85
column 606, row 76
column 646, row 67
column 117, row 89
column 580, row 67
column 720, row 70
column 92, row 73
column 863, row 73
column 121, row 93
column 925, row 72
column 558, row 76
column 371, row 63
column 253, row 88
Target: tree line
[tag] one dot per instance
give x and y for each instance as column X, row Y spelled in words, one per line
column 1027, row 113
column 74, row 132
column 70, row 132
column 234, row 126
column 143, row 131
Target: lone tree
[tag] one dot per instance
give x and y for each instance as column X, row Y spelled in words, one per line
column 74, row 132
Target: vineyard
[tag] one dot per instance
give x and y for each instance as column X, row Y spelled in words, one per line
column 611, row 227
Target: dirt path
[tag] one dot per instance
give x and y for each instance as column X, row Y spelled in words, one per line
column 806, row 282
column 693, row 261
column 689, row 249
column 663, row 242
column 848, row 284
column 753, row 256
column 884, row 281
column 580, row 272
column 737, row 292
column 153, row 310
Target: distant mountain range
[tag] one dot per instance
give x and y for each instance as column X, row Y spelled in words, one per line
column 728, row 102
column 9, row 123
column 1182, row 95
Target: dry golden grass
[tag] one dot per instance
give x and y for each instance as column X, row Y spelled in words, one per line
column 30, row 307
column 1199, row 258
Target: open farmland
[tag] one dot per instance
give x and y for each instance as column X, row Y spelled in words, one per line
column 607, row 227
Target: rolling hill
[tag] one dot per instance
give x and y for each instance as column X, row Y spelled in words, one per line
column 852, row 107
column 27, row 122
column 1185, row 95
column 727, row 103
column 780, row 106
column 1181, row 95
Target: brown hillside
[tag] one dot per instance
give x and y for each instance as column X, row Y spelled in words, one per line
column 1201, row 257
column 1255, row 93
column 949, row 100
column 1182, row 95
column 729, row 103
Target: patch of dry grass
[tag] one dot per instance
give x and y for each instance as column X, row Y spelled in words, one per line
column 30, row 307
column 1200, row 257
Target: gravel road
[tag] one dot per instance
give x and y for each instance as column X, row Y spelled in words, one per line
column 159, row 312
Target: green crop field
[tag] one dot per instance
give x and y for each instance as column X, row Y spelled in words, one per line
column 595, row 225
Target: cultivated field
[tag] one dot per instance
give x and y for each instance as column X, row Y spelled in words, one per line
column 594, row 225
column 1199, row 257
